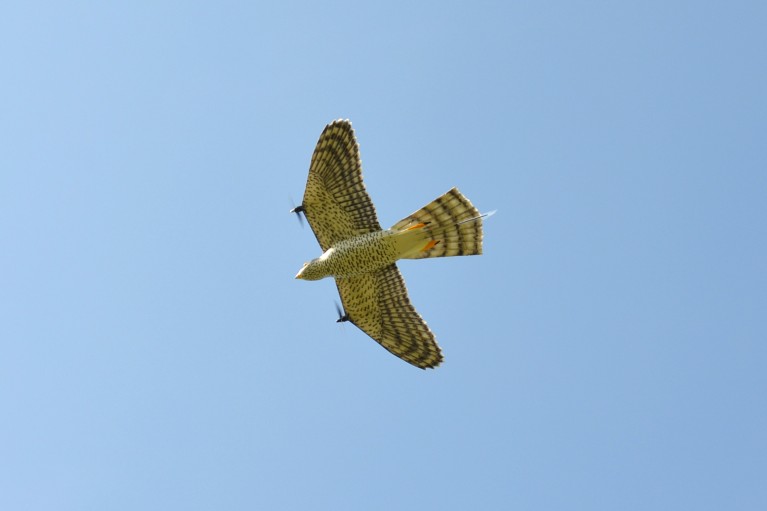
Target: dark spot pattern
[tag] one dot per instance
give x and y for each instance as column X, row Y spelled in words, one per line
column 453, row 221
column 335, row 202
column 379, row 305
column 361, row 256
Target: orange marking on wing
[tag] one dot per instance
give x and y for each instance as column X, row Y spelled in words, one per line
column 416, row 226
column 430, row 245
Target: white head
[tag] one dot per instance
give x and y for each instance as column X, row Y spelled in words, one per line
column 311, row 271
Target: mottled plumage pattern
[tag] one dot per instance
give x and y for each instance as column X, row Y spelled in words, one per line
column 458, row 234
column 379, row 305
column 365, row 253
column 336, row 203
column 361, row 256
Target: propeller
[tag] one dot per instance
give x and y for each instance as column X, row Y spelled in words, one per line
column 342, row 315
column 298, row 210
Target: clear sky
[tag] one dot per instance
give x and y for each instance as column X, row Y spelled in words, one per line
column 607, row 352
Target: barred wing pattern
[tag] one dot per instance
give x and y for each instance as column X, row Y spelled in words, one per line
column 336, row 203
column 378, row 304
column 452, row 217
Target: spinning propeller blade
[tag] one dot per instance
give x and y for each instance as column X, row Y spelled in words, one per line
column 342, row 316
column 298, row 210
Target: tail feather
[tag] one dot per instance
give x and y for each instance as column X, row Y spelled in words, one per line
column 448, row 226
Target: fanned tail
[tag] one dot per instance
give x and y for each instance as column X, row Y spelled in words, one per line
column 448, row 226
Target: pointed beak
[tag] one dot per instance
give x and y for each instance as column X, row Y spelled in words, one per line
column 298, row 275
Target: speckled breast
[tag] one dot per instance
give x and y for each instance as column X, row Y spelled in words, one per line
column 362, row 254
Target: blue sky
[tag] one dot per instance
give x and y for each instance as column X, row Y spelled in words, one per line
column 606, row 352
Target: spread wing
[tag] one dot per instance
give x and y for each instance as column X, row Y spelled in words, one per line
column 379, row 305
column 335, row 201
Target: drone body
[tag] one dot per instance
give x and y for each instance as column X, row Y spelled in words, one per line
column 361, row 256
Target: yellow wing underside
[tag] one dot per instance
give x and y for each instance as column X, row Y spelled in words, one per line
column 338, row 207
column 336, row 203
column 379, row 305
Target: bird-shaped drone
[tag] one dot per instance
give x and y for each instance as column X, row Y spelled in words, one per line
column 361, row 256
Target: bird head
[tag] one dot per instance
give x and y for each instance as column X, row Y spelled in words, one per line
column 310, row 271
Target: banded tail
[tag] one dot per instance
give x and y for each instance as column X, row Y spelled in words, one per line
column 448, row 226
